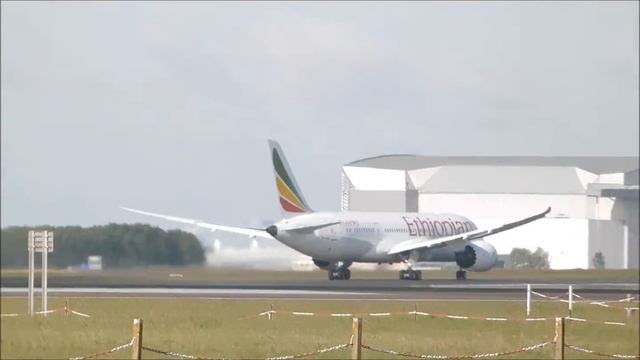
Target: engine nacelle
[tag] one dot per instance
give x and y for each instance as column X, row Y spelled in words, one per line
column 479, row 255
column 324, row 265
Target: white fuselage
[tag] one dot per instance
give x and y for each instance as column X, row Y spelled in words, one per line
column 367, row 237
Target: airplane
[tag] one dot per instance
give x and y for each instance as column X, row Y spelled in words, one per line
column 335, row 240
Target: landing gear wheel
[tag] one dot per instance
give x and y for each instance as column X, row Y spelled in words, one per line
column 339, row 274
column 410, row 275
column 461, row 275
column 418, row 275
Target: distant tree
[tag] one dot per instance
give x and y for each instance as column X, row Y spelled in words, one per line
column 539, row 259
column 520, row 258
column 524, row 259
column 120, row 245
column 598, row 260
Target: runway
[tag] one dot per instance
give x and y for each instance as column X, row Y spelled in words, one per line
column 354, row 289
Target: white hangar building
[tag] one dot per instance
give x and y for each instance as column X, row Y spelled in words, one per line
column 594, row 200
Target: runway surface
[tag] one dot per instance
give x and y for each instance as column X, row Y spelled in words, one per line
column 353, row 289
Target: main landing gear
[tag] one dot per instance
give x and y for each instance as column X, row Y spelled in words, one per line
column 340, row 273
column 461, row 275
column 410, row 274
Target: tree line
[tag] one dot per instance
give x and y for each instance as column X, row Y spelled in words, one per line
column 522, row 258
column 120, row 245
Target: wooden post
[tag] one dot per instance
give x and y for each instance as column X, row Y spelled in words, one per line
column 356, row 333
column 66, row 307
column 136, row 348
column 415, row 312
column 559, row 346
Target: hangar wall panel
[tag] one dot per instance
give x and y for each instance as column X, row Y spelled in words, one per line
column 513, row 206
column 632, row 177
column 585, row 177
column 561, row 238
column 419, row 177
column 504, row 179
column 412, row 201
column 604, row 208
column 627, row 212
column 376, row 179
column 607, row 237
column 391, row 201
column 615, row 178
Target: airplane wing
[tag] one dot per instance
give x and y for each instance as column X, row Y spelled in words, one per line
column 448, row 240
column 213, row 227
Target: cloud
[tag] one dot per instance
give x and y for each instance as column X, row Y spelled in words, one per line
column 167, row 106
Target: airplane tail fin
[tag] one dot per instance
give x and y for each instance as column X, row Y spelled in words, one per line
column 292, row 201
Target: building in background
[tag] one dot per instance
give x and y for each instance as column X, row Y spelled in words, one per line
column 594, row 200
column 94, row 262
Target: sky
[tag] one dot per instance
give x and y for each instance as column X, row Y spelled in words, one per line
column 168, row 106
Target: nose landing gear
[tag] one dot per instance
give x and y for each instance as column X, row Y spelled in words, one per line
column 461, row 275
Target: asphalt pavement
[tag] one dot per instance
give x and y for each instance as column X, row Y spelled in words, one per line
column 356, row 289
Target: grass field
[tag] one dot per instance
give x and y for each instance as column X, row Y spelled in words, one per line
column 200, row 276
column 230, row 328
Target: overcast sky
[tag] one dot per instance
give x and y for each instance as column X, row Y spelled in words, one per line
column 167, row 106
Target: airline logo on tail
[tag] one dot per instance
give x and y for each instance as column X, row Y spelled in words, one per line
column 291, row 199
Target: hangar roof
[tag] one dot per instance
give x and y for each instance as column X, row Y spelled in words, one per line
column 492, row 174
column 509, row 179
column 596, row 165
column 473, row 179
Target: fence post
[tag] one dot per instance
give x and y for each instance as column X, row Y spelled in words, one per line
column 570, row 299
column 31, row 247
column 136, row 348
column 629, row 311
column 528, row 299
column 356, row 333
column 66, row 307
column 559, row 346
column 45, row 271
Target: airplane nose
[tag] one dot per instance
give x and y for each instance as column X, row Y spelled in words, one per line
column 272, row 230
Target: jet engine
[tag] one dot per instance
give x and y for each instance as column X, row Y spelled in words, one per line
column 323, row 264
column 479, row 255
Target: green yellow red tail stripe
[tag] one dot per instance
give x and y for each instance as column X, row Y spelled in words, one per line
column 287, row 198
column 290, row 196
